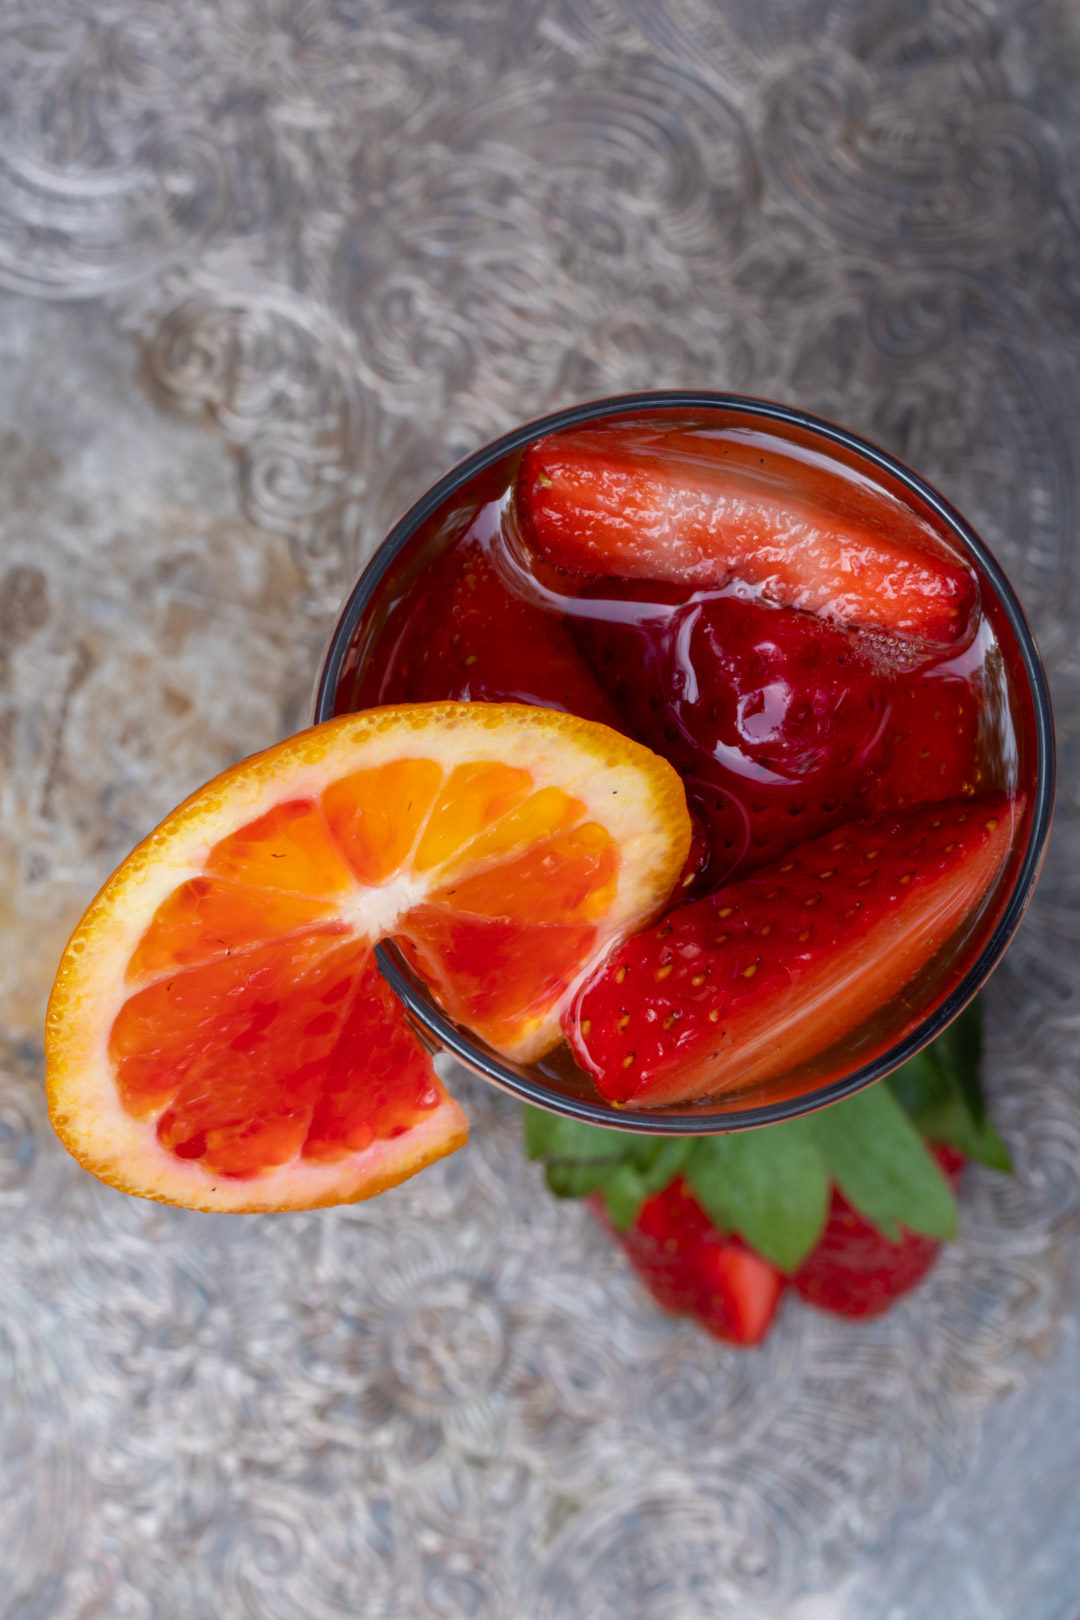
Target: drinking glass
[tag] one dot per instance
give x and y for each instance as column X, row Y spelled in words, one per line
column 1021, row 761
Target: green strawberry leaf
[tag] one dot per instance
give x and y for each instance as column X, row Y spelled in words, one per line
column 877, row 1158
column 939, row 1088
column 577, row 1178
column 668, row 1158
column 930, row 1095
column 582, row 1159
column 960, row 1048
column 983, row 1144
column 771, row 1186
column 550, row 1136
column 624, row 1194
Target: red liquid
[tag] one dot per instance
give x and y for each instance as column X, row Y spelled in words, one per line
column 784, row 720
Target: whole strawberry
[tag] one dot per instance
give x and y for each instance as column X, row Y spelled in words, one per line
column 853, row 1270
column 469, row 636
column 691, row 1269
column 932, row 749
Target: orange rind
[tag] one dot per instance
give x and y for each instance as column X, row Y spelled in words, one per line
column 219, row 1035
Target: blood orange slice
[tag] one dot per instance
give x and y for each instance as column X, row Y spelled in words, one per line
column 219, row 1035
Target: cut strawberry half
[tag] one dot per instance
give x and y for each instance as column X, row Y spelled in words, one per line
column 770, row 972
column 932, row 749
column 691, row 1269
column 469, row 637
column 669, row 504
column 694, row 878
column 857, row 1272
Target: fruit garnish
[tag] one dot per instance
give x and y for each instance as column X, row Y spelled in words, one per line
column 218, row 1033
column 776, row 720
column 694, row 877
column 854, row 1270
column 469, row 637
column 635, row 502
column 769, row 972
column 691, row 1269
column 851, row 1203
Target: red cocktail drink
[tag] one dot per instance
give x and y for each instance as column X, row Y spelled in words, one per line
column 839, row 673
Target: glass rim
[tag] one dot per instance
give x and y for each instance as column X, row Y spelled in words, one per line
column 417, row 1001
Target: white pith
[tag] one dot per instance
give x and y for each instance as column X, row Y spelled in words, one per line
column 376, row 913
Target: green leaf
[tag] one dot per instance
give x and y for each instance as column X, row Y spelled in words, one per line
column 576, row 1178
column 961, row 1047
column 624, row 1194
column 939, row 1088
column 920, row 1085
column 550, row 1136
column 711, row 1171
column 770, row 1185
column 668, row 1158
column 878, row 1159
column 640, row 1150
column 942, row 1115
column 985, row 1145
column 539, row 1129
column 654, row 1169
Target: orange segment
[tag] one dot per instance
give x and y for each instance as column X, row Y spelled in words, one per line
column 543, row 813
column 475, row 796
column 398, row 1089
column 494, row 975
column 566, row 879
column 218, row 1033
column 278, row 1005
column 290, row 1090
column 288, row 848
column 375, row 815
column 211, row 917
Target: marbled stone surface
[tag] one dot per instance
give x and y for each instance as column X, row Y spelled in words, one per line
column 267, row 268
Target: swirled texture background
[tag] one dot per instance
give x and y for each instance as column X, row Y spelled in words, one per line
column 267, row 267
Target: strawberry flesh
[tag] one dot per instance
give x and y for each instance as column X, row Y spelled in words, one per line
column 691, row 1269
column 775, row 720
column 782, row 692
column 932, row 749
column 636, row 502
column 854, row 1270
column 471, row 638
column 767, row 973
column 693, row 880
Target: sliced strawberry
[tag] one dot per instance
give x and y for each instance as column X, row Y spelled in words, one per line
column 468, row 636
column 932, row 750
column 636, row 502
column 854, row 1270
column 691, row 1269
column 769, row 972
column 694, row 877
column 775, row 720
column 744, row 1291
